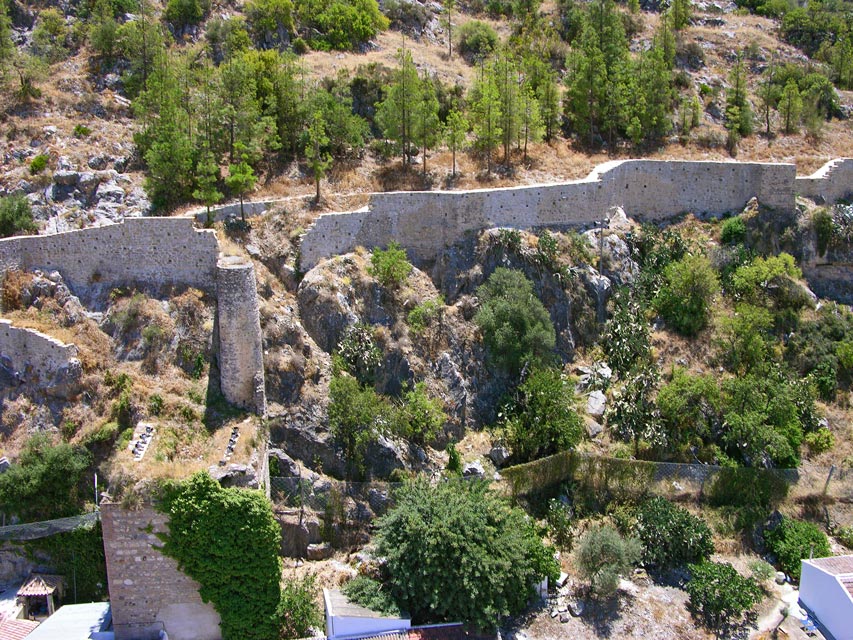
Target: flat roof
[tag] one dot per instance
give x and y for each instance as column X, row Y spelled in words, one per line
column 834, row 565
column 74, row 622
column 339, row 605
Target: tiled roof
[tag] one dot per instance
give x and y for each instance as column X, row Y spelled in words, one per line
column 15, row 629
column 439, row 632
column 835, row 565
column 40, row 584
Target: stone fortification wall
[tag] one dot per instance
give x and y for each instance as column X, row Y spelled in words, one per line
column 241, row 356
column 832, row 182
column 148, row 593
column 33, row 356
column 426, row 222
column 152, row 251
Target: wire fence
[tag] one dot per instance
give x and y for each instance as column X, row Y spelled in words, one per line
column 36, row 530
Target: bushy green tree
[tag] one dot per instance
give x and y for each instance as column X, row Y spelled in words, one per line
column 45, row 482
column 229, row 541
column 684, row 300
column 50, row 34
column 457, row 552
column 297, row 612
column 733, row 230
column 761, row 280
column 390, row 265
column 420, row 417
column 514, row 323
column 626, row 339
column 690, row 409
column 719, row 595
column 318, row 159
column 743, row 338
column 183, row 13
column 793, row 540
column 476, row 39
column 16, row 216
column 602, row 556
column 355, row 416
column 671, row 535
column 633, row 414
column 541, row 419
column 271, row 22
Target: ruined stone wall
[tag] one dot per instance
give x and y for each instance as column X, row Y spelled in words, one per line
column 241, row 357
column 33, row 356
column 147, row 591
column 154, row 251
column 832, row 182
column 426, row 222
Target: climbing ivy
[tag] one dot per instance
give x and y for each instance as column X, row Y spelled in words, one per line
column 228, row 540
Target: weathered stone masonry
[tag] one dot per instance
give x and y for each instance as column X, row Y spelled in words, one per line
column 34, row 357
column 153, row 253
column 426, row 222
column 148, row 593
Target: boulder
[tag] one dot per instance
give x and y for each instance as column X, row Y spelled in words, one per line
column 474, row 470
column 98, row 162
column 499, row 454
column 321, row 551
column 66, row 177
column 596, row 403
column 576, row 608
column 110, row 192
column 593, row 427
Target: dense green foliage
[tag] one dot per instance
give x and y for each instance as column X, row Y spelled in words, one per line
column 684, row 299
column 457, row 552
column 359, row 352
column 372, row 594
column 541, row 418
column 793, row 540
column 228, row 540
column 16, row 216
column 390, row 265
column 79, row 556
column 626, row 338
column 602, row 556
column 719, row 595
column 297, row 611
column 47, row 481
column 671, row 535
column 515, row 325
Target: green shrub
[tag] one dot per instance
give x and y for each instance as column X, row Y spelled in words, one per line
column 761, row 571
column 560, row 519
column 824, row 229
column 845, row 536
column 229, row 541
column 16, row 216
column 757, row 281
column 733, row 230
column 390, row 266
column 684, row 300
column 81, row 131
column 47, row 481
column 458, row 552
column 626, row 339
column 476, row 39
column 296, row 611
column 39, row 163
column 423, row 313
column 719, row 595
column 793, row 540
column 671, row 535
column 454, row 459
column 300, row 47
column 355, row 413
column 341, row 24
column 751, row 493
column 372, row 594
column 541, row 419
column 515, row 325
column 357, row 348
column 182, row 13
column 420, row 417
column 155, row 404
column 603, row 555
column 49, row 35
column 122, row 411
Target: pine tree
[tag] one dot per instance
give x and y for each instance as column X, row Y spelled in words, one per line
column 103, row 32
column 315, row 150
column 447, row 23
column 240, row 110
column 768, row 95
column 681, row 11
column 207, row 177
column 486, row 115
column 455, row 133
column 506, row 76
column 396, row 113
column 790, row 107
column 738, row 111
column 241, row 179
column 426, row 130
column 7, row 46
column 531, row 118
column 655, row 96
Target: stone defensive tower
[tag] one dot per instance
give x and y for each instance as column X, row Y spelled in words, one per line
column 241, row 356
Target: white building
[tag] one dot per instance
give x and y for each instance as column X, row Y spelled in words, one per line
column 826, row 590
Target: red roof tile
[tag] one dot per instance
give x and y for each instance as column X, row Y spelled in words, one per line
column 15, row 629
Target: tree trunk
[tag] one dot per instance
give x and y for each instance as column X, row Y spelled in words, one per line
column 242, row 213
